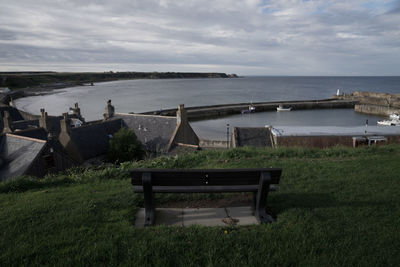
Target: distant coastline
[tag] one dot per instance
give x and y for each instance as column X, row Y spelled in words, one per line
column 45, row 81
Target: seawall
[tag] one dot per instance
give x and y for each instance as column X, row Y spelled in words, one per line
column 375, row 109
column 374, row 103
column 208, row 112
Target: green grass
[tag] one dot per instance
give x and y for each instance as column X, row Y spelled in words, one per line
column 335, row 207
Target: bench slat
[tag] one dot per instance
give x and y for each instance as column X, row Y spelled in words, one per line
column 202, row 189
column 199, row 189
column 196, row 177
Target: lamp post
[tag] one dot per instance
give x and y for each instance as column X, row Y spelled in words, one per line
column 227, row 135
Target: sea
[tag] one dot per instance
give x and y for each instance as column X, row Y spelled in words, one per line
column 148, row 94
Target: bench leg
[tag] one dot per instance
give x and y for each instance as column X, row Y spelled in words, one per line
column 261, row 215
column 254, row 203
column 148, row 200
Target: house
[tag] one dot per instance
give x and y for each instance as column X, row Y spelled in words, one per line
column 13, row 121
column 67, row 140
column 88, row 141
column 327, row 136
column 20, row 155
column 160, row 134
column 8, row 115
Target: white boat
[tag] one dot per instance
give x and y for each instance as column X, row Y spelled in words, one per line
column 252, row 108
column 393, row 122
column 281, row 108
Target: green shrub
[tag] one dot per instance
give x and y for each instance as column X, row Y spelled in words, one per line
column 125, row 147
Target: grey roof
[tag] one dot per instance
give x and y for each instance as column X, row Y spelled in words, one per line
column 334, row 130
column 92, row 140
column 37, row 133
column 17, row 154
column 14, row 113
column 55, row 126
column 256, row 137
column 21, row 125
column 155, row 132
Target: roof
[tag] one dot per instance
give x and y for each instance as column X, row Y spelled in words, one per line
column 14, row 113
column 26, row 124
column 92, row 140
column 155, row 132
column 55, row 127
column 18, row 153
column 334, row 130
column 37, row 133
column 253, row 136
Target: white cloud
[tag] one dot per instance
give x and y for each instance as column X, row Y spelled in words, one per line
column 289, row 37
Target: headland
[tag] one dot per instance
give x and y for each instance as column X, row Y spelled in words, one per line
column 42, row 81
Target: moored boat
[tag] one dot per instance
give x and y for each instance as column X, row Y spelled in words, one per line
column 394, row 116
column 394, row 120
column 252, row 108
column 282, row 108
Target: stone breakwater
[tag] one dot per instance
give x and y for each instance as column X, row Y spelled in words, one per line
column 374, row 103
column 208, row 112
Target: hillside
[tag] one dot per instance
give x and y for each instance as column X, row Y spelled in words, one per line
column 15, row 80
column 335, row 207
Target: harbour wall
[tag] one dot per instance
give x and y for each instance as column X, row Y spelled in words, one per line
column 209, row 112
column 375, row 109
column 374, row 103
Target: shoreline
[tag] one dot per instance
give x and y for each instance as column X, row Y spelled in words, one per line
column 25, row 84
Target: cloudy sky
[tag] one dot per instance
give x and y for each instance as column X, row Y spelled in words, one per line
column 277, row 37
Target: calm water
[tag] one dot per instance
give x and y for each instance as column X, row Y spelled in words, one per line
column 216, row 129
column 145, row 95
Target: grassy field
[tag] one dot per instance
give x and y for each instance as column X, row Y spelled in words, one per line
column 335, row 207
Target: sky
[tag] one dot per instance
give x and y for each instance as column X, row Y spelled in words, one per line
column 246, row 37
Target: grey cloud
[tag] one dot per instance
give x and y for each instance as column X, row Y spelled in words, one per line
column 317, row 36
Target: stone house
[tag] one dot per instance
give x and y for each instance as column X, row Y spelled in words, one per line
column 158, row 134
column 88, row 141
column 161, row 134
column 20, row 155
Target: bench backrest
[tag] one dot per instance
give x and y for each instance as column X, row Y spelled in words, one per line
column 202, row 177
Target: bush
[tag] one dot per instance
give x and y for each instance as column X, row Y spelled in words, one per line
column 125, row 147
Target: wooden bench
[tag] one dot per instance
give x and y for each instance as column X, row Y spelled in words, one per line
column 258, row 181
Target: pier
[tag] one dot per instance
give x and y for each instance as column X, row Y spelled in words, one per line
column 213, row 111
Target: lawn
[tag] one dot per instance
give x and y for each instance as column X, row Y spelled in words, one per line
column 335, row 207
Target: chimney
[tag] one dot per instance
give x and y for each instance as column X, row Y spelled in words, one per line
column 44, row 121
column 77, row 111
column 11, row 104
column 181, row 115
column 109, row 110
column 7, row 122
column 65, row 124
